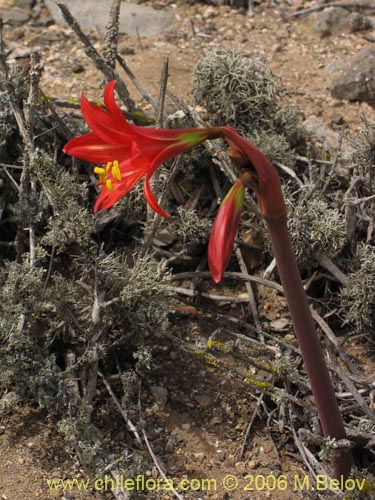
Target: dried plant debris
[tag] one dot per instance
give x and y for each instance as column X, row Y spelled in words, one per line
column 315, row 226
column 241, row 92
column 358, row 296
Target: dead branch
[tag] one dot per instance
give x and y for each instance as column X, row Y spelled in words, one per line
column 328, row 264
column 111, row 37
column 159, row 124
column 129, row 423
column 250, row 425
column 137, row 84
column 98, row 60
column 228, row 274
column 356, row 395
column 242, row 375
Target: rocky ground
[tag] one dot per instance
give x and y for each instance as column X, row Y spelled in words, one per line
column 326, row 64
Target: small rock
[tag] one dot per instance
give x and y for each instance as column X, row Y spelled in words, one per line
column 16, row 15
column 164, row 238
column 160, row 394
column 253, row 464
column 24, row 4
column 332, row 21
column 277, row 47
column 127, row 51
column 279, row 324
column 357, row 82
column 291, row 339
column 78, row 68
column 314, row 127
column 203, row 400
column 134, row 18
column 337, row 119
column 241, row 467
column 358, row 22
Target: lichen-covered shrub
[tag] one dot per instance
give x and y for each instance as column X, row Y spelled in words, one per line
column 357, row 298
column 275, row 147
column 242, row 92
column 73, row 295
column 314, row 226
column 364, row 154
column 192, row 229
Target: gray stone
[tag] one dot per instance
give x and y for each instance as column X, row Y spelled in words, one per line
column 24, row 4
column 331, row 21
column 160, row 394
column 16, row 15
column 92, row 14
column 330, row 139
column 358, row 22
column 357, row 81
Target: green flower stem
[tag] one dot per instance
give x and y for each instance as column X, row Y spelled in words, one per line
column 309, row 343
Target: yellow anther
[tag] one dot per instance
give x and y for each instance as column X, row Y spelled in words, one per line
column 99, row 170
column 116, row 171
column 108, row 185
column 108, row 166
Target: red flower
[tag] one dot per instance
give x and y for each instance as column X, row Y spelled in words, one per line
column 224, row 230
column 130, row 152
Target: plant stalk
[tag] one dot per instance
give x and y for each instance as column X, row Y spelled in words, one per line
column 309, row 343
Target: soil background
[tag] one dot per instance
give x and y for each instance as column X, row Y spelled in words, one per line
column 197, row 422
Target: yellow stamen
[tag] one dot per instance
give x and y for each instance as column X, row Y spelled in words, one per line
column 99, row 170
column 108, row 184
column 108, row 166
column 116, row 171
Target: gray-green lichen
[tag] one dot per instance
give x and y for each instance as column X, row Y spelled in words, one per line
column 358, row 296
column 192, row 228
column 241, row 92
column 315, row 226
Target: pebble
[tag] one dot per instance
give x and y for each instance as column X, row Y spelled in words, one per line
column 253, row 464
column 240, row 466
column 160, row 394
column 203, row 400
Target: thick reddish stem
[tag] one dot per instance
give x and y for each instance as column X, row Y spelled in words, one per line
column 317, row 371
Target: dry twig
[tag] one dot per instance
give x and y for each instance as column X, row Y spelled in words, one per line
column 111, row 37
column 98, row 60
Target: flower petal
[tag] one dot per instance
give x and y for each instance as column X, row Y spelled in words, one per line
column 108, row 127
column 110, row 103
column 150, row 198
column 90, row 147
column 224, row 231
